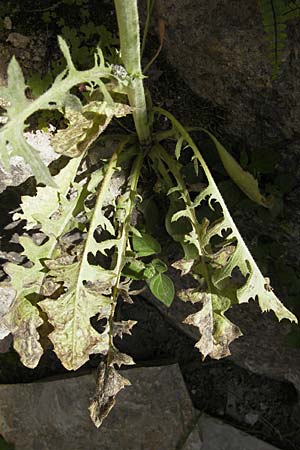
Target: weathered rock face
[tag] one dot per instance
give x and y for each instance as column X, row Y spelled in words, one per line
column 261, row 349
column 30, row 53
column 218, row 435
column 154, row 413
column 220, row 49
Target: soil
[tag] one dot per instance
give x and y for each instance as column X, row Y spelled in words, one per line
column 258, row 405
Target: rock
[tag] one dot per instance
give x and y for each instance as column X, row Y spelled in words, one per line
column 261, row 349
column 30, row 53
column 18, row 40
column 7, row 23
column 6, row 343
column 7, row 296
column 217, row 435
column 220, row 49
column 155, row 413
column 19, row 170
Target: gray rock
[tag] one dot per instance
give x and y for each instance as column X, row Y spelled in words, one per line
column 261, row 349
column 19, row 170
column 7, row 296
column 220, row 48
column 155, row 413
column 217, row 435
column 18, row 40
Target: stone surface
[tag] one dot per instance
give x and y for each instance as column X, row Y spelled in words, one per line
column 7, row 296
column 261, row 349
column 30, row 53
column 220, row 49
column 18, row 40
column 19, row 170
column 217, row 435
column 155, row 413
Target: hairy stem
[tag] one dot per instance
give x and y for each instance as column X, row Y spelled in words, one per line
column 124, row 234
column 129, row 30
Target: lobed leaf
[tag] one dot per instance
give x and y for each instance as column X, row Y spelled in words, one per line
column 85, row 126
column 74, row 338
column 109, row 384
column 53, row 212
column 275, row 14
column 220, row 261
column 19, row 109
column 217, row 332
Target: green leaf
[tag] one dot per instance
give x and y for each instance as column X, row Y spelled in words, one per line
column 223, row 266
column 149, row 272
column 275, row 14
column 145, row 245
column 19, row 109
column 162, row 288
column 159, row 265
column 178, row 147
column 243, row 179
column 91, row 289
column 66, row 52
column 53, row 212
column 134, row 269
column 74, row 338
column 87, row 290
column 154, row 267
column 4, row 445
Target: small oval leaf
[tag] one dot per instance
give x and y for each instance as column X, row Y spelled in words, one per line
column 162, row 288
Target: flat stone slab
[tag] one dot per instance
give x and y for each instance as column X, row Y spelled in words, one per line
column 217, row 435
column 155, row 413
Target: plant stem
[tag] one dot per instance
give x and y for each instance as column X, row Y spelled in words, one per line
column 123, row 238
column 129, row 30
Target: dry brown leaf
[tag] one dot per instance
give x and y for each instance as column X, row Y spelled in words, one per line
column 109, row 383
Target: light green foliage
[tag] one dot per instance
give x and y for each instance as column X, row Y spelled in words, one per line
column 145, row 245
column 215, row 254
column 97, row 240
column 19, row 108
column 243, row 179
column 12, row 140
column 275, row 15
